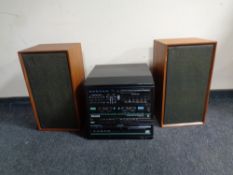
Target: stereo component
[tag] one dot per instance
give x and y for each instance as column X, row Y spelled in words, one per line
column 120, row 101
column 182, row 71
column 54, row 74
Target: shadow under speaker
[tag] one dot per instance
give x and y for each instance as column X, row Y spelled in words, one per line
column 182, row 70
column 54, row 75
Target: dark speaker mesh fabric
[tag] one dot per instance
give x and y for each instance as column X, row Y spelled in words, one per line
column 50, row 82
column 188, row 70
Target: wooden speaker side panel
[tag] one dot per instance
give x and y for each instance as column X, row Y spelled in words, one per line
column 209, row 81
column 77, row 76
column 159, row 74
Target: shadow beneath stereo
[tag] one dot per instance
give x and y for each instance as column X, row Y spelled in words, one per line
column 156, row 122
column 82, row 110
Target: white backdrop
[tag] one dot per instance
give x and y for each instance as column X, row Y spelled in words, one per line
column 111, row 31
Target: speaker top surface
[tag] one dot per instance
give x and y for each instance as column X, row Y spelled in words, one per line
column 184, row 41
column 50, row 47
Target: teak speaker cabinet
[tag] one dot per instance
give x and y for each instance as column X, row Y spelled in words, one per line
column 54, row 74
column 182, row 70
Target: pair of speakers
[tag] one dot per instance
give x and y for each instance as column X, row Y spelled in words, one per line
column 182, row 71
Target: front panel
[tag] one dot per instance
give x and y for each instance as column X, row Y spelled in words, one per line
column 50, row 83
column 120, row 111
column 188, row 71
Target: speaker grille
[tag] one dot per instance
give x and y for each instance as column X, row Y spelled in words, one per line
column 50, row 82
column 188, row 69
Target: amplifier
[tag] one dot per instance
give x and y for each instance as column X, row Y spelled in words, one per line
column 120, row 101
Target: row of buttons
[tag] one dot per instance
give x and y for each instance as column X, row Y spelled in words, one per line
column 120, row 119
column 122, row 108
column 99, row 91
column 101, row 130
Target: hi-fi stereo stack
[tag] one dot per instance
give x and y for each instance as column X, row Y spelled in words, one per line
column 122, row 100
